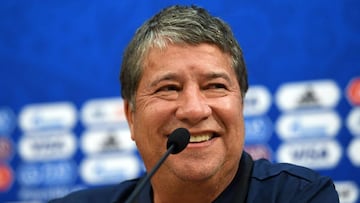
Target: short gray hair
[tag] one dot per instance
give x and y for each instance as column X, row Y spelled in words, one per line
column 178, row 25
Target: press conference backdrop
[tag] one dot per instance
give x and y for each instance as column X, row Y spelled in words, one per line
column 62, row 126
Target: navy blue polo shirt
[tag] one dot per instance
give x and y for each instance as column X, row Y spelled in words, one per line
column 255, row 181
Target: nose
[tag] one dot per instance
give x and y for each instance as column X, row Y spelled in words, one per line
column 193, row 107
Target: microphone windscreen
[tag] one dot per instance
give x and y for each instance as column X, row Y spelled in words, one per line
column 180, row 138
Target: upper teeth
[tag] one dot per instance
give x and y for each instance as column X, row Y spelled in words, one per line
column 200, row 138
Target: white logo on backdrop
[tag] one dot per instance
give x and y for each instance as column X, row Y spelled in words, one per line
column 312, row 153
column 308, row 94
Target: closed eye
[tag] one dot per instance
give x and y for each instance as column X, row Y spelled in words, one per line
column 168, row 88
column 216, row 86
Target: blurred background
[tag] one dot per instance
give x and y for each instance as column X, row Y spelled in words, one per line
column 62, row 126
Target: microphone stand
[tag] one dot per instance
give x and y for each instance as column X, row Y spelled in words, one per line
column 146, row 179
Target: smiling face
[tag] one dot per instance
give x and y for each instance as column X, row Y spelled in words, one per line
column 196, row 88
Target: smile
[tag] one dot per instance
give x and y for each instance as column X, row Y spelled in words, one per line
column 201, row 138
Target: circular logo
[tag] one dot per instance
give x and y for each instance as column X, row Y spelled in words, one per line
column 353, row 91
column 6, row 148
column 6, row 178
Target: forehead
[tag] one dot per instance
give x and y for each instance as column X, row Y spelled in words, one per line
column 189, row 57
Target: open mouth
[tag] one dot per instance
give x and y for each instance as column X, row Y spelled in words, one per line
column 201, row 138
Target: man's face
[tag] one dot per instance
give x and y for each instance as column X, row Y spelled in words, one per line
column 196, row 88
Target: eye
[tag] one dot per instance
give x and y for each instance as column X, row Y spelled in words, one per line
column 216, row 86
column 168, row 88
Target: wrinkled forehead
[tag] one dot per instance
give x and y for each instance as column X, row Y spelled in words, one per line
column 205, row 60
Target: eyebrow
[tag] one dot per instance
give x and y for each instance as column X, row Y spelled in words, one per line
column 164, row 77
column 174, row 76
column 214, row 75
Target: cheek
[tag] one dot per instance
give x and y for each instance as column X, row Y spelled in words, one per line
column 152, row 110
column 151, row 120
column 144, row 110
column 231, row 116
column 150, row 116
column 231, row 110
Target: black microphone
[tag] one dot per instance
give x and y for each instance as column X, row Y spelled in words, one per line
column 177, row 141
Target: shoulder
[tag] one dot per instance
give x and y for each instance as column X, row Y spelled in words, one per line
column 290, row 183
column 263, row 169
column 99, row 194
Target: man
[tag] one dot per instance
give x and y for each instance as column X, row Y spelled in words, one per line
column 184, row 68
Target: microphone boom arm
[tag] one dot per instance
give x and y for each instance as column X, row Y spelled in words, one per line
column 147, row 178
column 177, row 141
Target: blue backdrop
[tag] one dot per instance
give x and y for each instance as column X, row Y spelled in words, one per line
column 61, row 123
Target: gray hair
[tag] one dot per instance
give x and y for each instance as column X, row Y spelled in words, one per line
column 178, row 25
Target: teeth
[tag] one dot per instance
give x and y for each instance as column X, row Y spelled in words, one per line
column 200, row 138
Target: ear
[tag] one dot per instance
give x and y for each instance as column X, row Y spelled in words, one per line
column 129, row 113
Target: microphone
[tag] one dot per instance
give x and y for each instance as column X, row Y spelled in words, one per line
column 177, row 141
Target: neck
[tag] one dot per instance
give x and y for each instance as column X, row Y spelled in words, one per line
column 168, row 188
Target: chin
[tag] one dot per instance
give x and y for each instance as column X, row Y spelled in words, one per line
column 196, row 173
